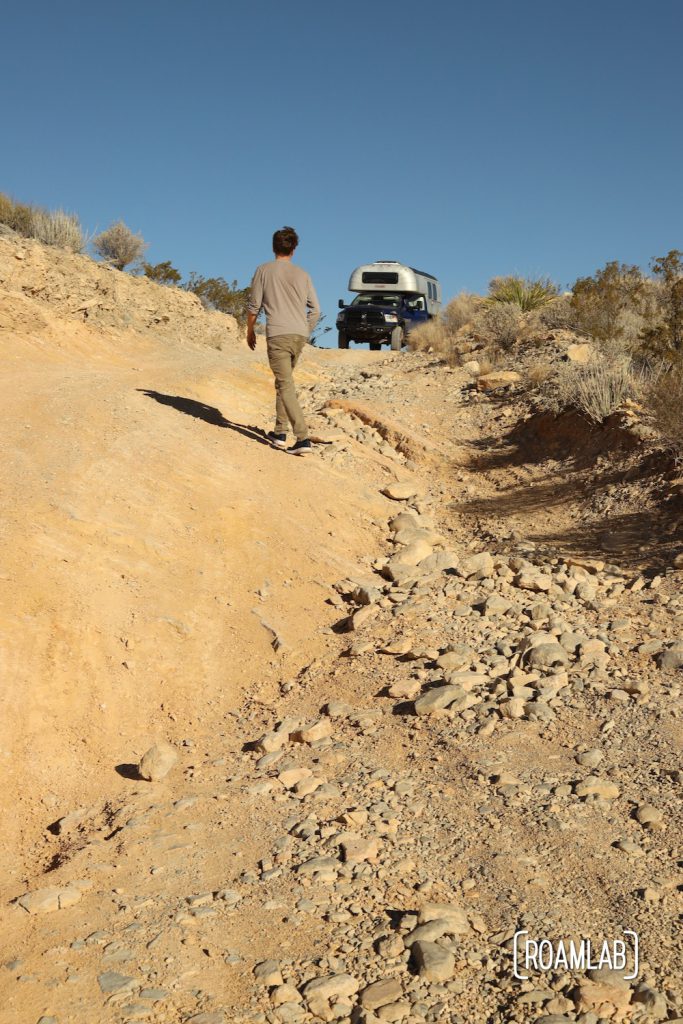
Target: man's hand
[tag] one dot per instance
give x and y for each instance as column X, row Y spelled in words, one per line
column 251, row 330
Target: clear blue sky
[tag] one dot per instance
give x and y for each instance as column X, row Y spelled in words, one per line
column 467, row 139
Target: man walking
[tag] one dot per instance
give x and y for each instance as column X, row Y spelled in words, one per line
column 286, row 293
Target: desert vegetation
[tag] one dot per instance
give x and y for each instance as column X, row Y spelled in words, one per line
column 51, row 227
column 120, row 248
column 616, row 336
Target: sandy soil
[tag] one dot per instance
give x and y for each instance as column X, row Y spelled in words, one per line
column 165, row 574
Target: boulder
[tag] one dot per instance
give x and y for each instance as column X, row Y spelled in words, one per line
column 498, row 379
column 157, row 762
column 433, row 962
column 401, row 490
column 580, row 353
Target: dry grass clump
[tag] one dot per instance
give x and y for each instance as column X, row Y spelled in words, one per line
column 119, row 246
column 17, row 216
column 461, row 310
column 539, row 372
column 596, row 389
column 49, row 227
column 434, row 335
column 6, row 209
column 489, row 359
column 55, row 227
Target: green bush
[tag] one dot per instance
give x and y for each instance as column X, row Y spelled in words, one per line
column 119, row 246
column 216, row 293
column 162, row 273
column 527, row 293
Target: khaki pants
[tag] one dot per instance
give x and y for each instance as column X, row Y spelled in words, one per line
column 283, row 353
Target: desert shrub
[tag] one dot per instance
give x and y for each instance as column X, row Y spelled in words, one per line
column 596, row 389
column 57, row 228
column 461, row 310
column 434, row 335
column 524, row 292
column 17, row 216
column 498, row 324
column 665, row 401
column 558, row 314
column 606, row 303
column 489, row 359
column 663, row 332
column 539, row 372
column 216, row 293
column 162, row 273
column 119, row 246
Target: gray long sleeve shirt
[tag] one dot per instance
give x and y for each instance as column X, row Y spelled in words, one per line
column 286, row 294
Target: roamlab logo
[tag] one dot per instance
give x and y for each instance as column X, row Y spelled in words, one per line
column 543, row 955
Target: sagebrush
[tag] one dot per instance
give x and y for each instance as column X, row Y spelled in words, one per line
column 497, row 324
column 119, row 246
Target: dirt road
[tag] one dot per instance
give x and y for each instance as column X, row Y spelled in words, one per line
column 399, row 740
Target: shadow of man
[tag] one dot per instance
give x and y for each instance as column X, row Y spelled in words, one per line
column 208, row 413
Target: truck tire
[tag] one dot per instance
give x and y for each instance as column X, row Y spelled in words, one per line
column 375, row 346
column 342, row 340
column 397, row 339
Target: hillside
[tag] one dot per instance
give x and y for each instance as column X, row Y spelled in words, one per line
column 406, row 726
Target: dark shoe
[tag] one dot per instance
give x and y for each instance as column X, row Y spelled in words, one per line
column 301, row 448
column 278, row 440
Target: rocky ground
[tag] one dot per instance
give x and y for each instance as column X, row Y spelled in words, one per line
column 473, row 729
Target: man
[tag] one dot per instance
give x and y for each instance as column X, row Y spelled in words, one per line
column 286, row 293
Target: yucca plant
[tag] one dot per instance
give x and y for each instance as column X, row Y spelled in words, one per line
column 525, row 292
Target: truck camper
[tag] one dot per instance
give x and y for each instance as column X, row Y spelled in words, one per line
column 391, row 300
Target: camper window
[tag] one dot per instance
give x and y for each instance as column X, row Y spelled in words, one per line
column 380, row 277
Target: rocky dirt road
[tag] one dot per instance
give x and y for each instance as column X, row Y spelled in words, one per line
column 410, row 715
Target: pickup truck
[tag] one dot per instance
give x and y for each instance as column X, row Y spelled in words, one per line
column 392, row 299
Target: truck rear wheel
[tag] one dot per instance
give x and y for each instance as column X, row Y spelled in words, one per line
column 342, row 340
column 375, row 346
column 397, row 339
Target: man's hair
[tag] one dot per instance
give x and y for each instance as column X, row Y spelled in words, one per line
column 285, row 241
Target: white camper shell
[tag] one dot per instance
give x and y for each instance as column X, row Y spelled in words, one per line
column 390, row 276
